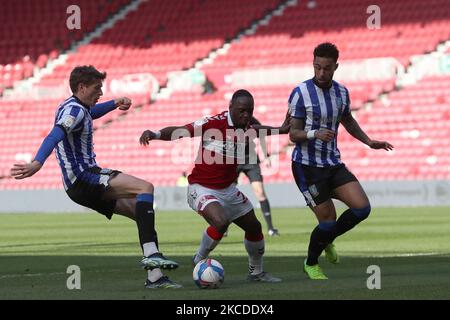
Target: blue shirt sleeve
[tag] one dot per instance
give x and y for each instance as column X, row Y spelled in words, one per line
column 71, row 119
column 49, row 143
column 100, row 109
column 296, row 105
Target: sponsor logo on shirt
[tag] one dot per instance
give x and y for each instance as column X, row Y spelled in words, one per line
column 68, row 122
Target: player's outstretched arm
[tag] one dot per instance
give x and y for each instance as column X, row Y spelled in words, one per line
column 123, row 103
column 283, row 129
column 100, row 109
column 25, row 170
column 355, row 130
column 286, row 125
column 296, row 132
column 298, row 135
column 166, row 134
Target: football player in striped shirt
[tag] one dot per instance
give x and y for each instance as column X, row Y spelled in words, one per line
column 104, row 190
column 317, row 107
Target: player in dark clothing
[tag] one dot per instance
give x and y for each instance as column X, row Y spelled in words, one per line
column 252, row 170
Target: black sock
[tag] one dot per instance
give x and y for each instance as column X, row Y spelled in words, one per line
column 145, row 219
column 320, row 238
column 156, row 240
column 265, row 208
column 346, row 222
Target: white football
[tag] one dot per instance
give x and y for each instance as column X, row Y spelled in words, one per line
column 208, row 274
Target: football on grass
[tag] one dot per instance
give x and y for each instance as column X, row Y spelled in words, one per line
column 208, row 274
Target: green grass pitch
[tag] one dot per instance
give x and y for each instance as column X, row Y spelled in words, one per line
column 410, row 245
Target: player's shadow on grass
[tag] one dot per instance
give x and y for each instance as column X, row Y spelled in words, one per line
column 120, row 277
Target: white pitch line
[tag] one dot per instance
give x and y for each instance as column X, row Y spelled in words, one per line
column 18, row 275
column 8, row 276
column 412, row 254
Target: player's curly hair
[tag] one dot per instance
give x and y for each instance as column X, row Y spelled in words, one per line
column 327, row 50
column 85, row 75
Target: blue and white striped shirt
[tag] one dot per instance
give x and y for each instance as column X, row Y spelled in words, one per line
column 75, row 153
column 319, row 108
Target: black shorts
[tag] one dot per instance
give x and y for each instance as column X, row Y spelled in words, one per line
column 89, row 188
column 317, row 184
column 252, row 171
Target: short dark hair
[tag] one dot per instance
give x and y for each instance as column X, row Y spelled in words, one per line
column 241, row 93
column 85, row 75
column 327, row 50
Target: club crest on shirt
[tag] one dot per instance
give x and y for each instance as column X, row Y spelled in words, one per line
column 68, row 121
column 194, row 195
column 313, row 190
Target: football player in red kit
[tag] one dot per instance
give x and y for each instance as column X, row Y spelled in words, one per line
column 212, row 190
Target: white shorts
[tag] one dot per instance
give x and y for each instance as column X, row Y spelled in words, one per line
column 235, row 203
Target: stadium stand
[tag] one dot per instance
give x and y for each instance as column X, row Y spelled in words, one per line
column 180, row 33
column 35, row 31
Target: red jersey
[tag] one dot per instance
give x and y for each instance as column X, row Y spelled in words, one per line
column 222, row 149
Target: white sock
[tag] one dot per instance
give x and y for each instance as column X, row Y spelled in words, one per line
column 206, row 246
column 255, row 251
column 154, row 275
column 149, row 248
